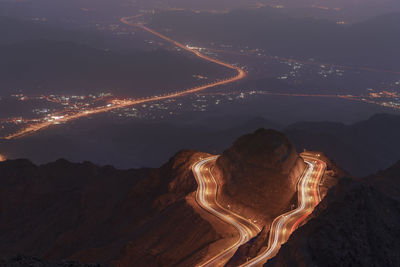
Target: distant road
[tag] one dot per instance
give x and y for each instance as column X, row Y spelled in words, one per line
column 206, row 197
column 241, row 74
column 308, row 197
column 121, row 103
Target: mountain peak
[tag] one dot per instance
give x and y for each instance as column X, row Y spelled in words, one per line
column 260, row 165
column 263, row 148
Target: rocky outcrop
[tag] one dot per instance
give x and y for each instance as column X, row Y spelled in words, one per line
column 259, row 243
column 355, row 225
column 83, row 212
column 332, row 174
column 260, row 173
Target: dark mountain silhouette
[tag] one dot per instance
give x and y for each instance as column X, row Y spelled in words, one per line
column 361, row 148
column 88, row 213
column 130, row 144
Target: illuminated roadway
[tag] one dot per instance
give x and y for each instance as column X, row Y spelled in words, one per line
column 240, row 73
column 282, row 227
column 308, row 198
column 206, row 197
column 121, row 103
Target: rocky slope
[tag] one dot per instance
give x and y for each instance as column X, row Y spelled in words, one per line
column 258, row 170
column 88, row 213
column 355, row 225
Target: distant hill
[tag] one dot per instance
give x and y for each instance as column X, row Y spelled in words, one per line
column 34, row 27
column 38, row 58
column 361, row 148
column 43, row 66
column 129, row 144
column 15, row 30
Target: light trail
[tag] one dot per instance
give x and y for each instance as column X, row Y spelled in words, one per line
column 284, row 225
column 117, row 103
column 206, row 197
column 240, row 72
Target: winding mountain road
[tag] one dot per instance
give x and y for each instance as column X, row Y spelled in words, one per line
column 206, row 197
column 282, row 227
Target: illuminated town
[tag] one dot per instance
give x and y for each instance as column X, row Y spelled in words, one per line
column 59, row 109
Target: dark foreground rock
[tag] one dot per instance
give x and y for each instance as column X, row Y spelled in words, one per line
column 25, row 261
column 88, row 213
column 357, row 224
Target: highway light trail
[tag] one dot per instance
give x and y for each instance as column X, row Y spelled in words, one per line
column 308, row 197
column 121, row 103
column 206, row 197
column 240, row 73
